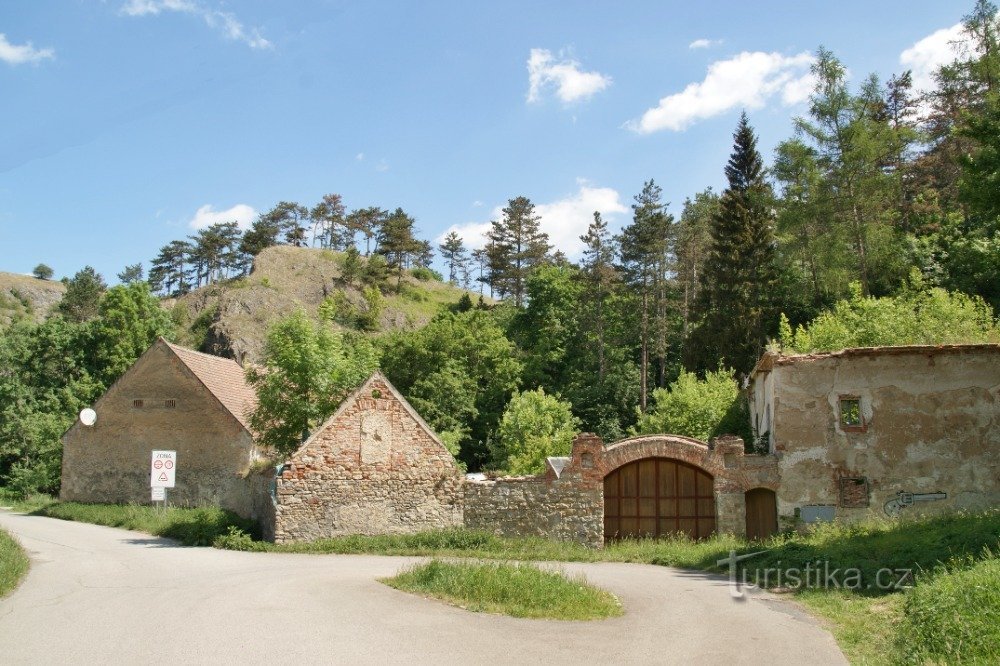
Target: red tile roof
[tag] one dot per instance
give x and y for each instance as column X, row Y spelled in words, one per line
column 224, row 379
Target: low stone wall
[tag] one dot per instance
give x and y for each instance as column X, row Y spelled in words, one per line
column 536, row 506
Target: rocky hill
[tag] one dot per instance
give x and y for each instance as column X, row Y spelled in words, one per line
column 24, row 296
column 231, row 318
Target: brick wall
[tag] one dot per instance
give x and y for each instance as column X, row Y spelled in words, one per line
column 373, row 468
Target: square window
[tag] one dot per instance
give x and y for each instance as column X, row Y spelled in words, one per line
column 137, row 403
column 169, row 404
column 850, row 413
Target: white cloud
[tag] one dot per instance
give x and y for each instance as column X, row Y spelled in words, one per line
column 382, row 166
column 746, row 80
column 242, row 214
column 360, row 157
column 570, row 83
column 927, row 55
column 224, row 22
column 477, row 204
column 704, row 43
column 564, row 220
column 18, row 54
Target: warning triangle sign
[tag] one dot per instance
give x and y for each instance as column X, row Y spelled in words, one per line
column 163, row 476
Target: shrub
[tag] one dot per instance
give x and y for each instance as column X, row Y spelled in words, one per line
column 699, row 408
column 533, row 427
column 918, row 315
column 425, row 274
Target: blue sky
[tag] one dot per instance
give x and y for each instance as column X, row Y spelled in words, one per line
column 127, row 123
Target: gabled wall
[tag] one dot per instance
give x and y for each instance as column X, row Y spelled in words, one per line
column 109, row 461
column 373, row 468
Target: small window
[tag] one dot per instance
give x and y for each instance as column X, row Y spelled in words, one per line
column 137, row 403
column 850, row 413
column 169, row 404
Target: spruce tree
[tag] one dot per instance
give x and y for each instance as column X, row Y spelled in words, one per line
column 739, row 277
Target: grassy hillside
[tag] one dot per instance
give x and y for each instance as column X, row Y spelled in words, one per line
column 24, row 296
column 232, row 318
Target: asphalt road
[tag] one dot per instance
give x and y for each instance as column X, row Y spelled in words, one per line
column 101, row 595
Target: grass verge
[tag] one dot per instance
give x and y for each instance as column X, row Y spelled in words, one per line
column 519, row 590
column 191, row 527
column 13, row 563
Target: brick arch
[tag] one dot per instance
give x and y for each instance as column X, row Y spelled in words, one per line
column 676, row 447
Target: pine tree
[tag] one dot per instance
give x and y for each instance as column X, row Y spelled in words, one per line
column 329, row 223
column 454, row 255
column 169, row 269
column 131, row 273
column 397, row 243
column 599, row 279
column 83, row 295
column 739, row 277
column 517, row 245
column 647, row 256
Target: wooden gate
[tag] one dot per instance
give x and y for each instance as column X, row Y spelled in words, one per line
column 762, row 513
column 658, row 496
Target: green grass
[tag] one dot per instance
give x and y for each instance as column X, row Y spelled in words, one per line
column 191, row 527
column 13, row 563
column 954, row 618
column 520, row 590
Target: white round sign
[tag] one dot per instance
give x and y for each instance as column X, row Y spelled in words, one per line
column 88, row 417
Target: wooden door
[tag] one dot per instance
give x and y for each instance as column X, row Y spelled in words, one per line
column 656, row 497
column 762, row 513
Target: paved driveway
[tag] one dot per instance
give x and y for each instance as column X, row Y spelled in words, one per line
column 101, row 595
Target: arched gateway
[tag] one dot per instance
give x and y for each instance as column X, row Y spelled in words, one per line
column 655, row 497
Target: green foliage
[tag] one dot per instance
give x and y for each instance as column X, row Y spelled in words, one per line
column 306, row 372
column 129, row 320
column 13, row 563
column 425, row 274
column 191, row 527
column 955, row 618
column 43, row 272
column 695, row 407
column 83, row 295
column 467, row 352
column 735, row 311
column 534, row 426
column 919, row 315
column 370, row 318
column 519, row 590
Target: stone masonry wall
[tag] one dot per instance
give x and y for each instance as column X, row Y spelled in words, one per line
column 373, row 468
column 534, row 506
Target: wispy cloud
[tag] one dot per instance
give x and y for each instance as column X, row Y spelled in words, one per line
column 224, row 22
column 704, row 43
column 926, row 56
column 20, row 54
column 564, row 220
column 746, row 80
column 206, row 216
column 571, row 84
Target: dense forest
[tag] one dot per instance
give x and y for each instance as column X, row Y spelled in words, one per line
column 874, row 223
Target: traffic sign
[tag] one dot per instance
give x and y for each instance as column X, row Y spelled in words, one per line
column 159, row 494
column 163, row 469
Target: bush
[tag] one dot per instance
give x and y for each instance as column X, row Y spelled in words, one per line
column 918, row 315
column 698, row 408
column 425, row 274
column 955, row 618
column 534, row 427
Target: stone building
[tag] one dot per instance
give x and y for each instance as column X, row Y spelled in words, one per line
column 887, row 429
column 374, row 467
column 174, row 399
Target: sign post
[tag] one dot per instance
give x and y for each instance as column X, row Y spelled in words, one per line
column 162, row 474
